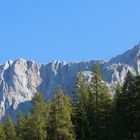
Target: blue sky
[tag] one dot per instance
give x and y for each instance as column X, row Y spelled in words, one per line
column 46, row 30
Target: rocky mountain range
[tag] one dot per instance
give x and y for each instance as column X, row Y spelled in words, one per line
column 20, row 79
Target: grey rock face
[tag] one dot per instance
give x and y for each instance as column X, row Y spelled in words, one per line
column 19, row 80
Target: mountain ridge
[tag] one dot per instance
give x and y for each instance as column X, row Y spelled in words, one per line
column 20, row 79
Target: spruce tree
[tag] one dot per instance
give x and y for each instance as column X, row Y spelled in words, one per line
column 101, row 102
column 39, row 114
column 10, row 131
column 21, row 127
column 61, row 127
column 116, row 122
column 126, row 108
column 29, row 128
column 82, row 109
column 2, row 133
column 136, row 108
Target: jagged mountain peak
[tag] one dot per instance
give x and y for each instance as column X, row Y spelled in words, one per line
column 137, row 46
column 20, row 79
column 130, row 57
column 134, row 52
column 23, row 61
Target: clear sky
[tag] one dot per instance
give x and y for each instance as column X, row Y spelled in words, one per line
column 46, row 30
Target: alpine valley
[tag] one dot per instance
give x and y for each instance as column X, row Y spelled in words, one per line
column 20, row 79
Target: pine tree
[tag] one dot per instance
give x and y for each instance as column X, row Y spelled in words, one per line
column 116, row 122
column 21, row 127
column 82, row 108
column 61, row 127
column 28, row 131
column 101, row 103
column 2, row 133
column 10, row 131
column 126, row 108
column 136, row 108
column 40, row 114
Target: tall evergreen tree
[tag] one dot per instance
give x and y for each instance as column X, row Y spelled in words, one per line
column 116, row 122
column 20, row 127
column 82, row 108
column 102, row 106
column 10, row 131
column 39, row 114
column 94, row 108
column 126, row 108
column 29, row 128
column 61, row 127
column 2, row 133
column 136, row 108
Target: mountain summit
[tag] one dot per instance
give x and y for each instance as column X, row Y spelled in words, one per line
column 131, row 57
column 20, row 79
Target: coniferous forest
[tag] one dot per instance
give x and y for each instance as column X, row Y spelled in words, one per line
column 92, row 114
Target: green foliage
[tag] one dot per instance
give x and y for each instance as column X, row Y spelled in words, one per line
column 127, row 108
column 10, row 131
column 28, row 131
column 115, row 117
column 93, row 115
column 20, row 127
column 61, row 127
column 94, row 108
column 39, row 115
column 101, row 106
column 82, row 109
column 2, row 133
column 137, row 107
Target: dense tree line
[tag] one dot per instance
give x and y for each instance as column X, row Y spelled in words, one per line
column 93, row 114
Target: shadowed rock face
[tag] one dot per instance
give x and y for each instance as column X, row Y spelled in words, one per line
column 20, row 79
